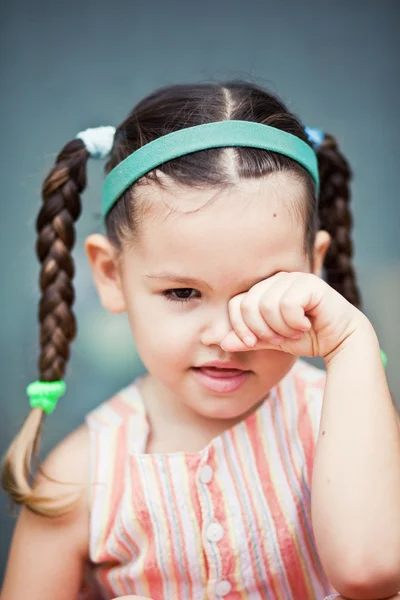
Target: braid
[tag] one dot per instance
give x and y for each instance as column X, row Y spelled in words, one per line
column 56, row 237
column 335, row 218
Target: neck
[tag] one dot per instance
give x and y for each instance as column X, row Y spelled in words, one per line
column 174, row 426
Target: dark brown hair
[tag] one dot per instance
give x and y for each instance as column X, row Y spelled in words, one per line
column 166, row 110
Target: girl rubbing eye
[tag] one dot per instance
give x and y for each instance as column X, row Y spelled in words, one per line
column 233, row 468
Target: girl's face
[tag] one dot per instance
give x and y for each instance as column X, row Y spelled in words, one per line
column 177, row 278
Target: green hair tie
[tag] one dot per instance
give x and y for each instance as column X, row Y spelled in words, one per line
column 384, row 358
column 45, row 394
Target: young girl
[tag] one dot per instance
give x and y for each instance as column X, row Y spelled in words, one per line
column 233, row 469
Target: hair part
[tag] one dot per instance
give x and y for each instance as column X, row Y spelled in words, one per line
column 167, row 110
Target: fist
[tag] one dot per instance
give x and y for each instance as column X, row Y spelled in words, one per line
column 298, row 313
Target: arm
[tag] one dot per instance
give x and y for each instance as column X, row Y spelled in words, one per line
column 48, row 555
column 356, row 476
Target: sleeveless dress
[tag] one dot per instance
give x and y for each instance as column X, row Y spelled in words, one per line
column 231, row 522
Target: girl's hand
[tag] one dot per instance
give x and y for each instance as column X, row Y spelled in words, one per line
column 298, row 313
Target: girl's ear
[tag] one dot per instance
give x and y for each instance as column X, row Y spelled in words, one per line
column 321, row 246
column 103, row 260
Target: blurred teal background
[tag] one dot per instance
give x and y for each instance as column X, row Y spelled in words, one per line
column 72, row 65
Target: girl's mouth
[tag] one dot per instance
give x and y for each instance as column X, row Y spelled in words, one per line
column 220, row 380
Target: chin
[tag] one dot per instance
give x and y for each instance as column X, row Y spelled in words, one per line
column 224, row 409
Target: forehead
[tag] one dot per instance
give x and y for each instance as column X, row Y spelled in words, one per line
column 253, row 224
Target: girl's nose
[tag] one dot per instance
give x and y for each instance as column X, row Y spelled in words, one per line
column 216, row 328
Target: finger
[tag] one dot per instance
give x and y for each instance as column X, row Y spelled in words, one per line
column 245, row 317
column 270, row 306
column 260, row 311
column 296, row 300
column 239, row 326
column 233, row 343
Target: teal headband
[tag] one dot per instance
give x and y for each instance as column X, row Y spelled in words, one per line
column 202, row 137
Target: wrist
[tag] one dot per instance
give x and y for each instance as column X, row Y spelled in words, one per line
column 360, row 340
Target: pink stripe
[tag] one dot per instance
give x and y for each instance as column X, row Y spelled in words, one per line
column 139, row 502
column 301, row 535
column 288, row 551
column 254, row 436
column 302, row 388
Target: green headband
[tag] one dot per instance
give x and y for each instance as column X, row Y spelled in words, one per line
column 202, row 137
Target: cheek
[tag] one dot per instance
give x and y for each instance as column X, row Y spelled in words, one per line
column 161, row 329
column 273, row 365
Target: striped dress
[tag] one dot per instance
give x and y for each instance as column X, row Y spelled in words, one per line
column 231, row 522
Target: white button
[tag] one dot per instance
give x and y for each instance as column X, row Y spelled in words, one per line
column 222, row 588
column 215, row 532
column 206, row 474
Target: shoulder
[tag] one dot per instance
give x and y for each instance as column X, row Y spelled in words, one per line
column 115, row 411
column 54, row 548
column 69, row 460
column 64, row 477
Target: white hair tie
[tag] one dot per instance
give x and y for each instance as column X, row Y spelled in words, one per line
column 98, row 140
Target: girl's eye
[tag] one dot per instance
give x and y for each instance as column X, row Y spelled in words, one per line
column 181, row 294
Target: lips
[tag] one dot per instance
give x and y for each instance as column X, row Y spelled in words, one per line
column 221, row 379
column 221, row 373
column 227, row 364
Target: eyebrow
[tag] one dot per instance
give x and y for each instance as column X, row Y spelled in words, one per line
column 192, row 282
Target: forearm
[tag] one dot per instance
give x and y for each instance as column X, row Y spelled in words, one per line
column 356, row 476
